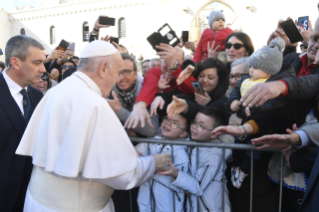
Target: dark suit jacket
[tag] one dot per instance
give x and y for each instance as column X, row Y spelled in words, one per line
column 311, row 198
column 15, row 169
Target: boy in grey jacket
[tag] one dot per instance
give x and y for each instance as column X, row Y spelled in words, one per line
column 159, row 194
column 204, row 181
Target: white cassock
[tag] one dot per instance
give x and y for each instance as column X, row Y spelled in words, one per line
column 80, row 151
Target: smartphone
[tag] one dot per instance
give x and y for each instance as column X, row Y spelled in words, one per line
column 303, row 22
column 107, row 21
column 185, row 36
column 168, row 35
column 113, row 39
column 72, row 46
column 291, row 31
column 63, row 45
column 198, row 88
column 164, row 35
column 1, row 53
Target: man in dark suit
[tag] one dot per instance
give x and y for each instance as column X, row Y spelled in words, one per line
column 24, row 67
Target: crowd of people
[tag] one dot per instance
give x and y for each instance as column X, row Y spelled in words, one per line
column 225, row 92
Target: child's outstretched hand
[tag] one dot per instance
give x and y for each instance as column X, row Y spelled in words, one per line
column 171, row 172
column 247, row 111
column 234, row 106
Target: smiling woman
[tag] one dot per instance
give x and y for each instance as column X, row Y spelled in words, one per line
column 44, row 84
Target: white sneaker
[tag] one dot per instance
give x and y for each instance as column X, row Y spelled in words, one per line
column 237, row 176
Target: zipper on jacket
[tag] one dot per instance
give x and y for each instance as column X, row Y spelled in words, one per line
column 204, row 204
column 204, row 173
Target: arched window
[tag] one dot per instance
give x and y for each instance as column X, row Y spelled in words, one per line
column 52, row 35
column 86, row 31
column 122, row 28
column 22, row 31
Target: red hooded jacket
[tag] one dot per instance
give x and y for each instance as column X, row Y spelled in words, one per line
column 210, row 35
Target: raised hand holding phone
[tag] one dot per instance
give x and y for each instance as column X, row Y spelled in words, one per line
column 305, row 33
column 279, row 32
column 97, row 24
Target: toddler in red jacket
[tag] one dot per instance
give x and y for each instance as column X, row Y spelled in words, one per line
column 217, row 32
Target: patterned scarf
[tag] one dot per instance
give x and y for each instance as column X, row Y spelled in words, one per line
column 127, row 97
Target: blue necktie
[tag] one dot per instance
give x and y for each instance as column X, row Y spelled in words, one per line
column 26, row 105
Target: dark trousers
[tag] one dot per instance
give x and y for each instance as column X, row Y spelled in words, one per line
column 291, row 199
column 124, row 201
column 265, row 195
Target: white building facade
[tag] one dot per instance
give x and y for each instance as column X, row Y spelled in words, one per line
column 140, row 18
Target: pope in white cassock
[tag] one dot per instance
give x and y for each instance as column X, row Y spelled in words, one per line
column 80, row 151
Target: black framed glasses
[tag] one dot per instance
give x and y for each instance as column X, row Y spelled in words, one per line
column 44, row 77
column 236, row 46
column 125, row 73
column 236, row 76
column 199, row 126
column 173, row 123
column 65, row 66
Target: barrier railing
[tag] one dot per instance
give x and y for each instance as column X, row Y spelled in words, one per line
column 252, row 148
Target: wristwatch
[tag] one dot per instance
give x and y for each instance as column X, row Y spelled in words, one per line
column 175, row 67
column 244, row 135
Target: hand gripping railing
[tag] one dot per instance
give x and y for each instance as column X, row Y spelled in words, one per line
column 252, row 148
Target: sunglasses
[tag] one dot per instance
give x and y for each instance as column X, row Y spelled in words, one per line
column 65, row 66
column 236, row 46
column 44, row 77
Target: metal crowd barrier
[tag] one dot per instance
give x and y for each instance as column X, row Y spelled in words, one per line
column 252, row 148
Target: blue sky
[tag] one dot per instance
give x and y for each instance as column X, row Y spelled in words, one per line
column 8, row 5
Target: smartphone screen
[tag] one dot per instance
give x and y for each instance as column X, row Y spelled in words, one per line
column 291, row 31
column 185, row 36
column 107, row 21
column 303, row 22
column 197, row 88
column 72, row 47
column 63, row 45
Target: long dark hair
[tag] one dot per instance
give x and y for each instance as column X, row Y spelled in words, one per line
column 222, row 73
column 243, row 37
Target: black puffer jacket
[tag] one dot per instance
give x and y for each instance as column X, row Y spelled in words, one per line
column 285, row 72
column 294, row 60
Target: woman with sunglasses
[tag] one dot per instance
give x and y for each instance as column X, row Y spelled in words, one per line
column 238, row 45
column 57, row 75
column 44, row 84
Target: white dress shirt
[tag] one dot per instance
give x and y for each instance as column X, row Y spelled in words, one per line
column 15, row 91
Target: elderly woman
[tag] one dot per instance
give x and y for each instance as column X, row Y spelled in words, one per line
column 239, row 68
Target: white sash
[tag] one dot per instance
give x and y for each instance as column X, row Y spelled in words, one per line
column 68, row 194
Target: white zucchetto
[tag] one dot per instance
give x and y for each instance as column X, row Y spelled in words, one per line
column 98, row 48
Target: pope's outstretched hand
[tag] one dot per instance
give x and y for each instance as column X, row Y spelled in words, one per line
column 162, row 161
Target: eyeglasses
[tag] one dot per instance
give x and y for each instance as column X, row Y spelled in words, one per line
column 199, row 126
column 236, row 46
column 173, row 123
column 44, row 77
column 236, row 76
column 125, row 73
column 65, row 66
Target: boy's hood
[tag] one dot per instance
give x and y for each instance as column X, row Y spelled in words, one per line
column 226, row 139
